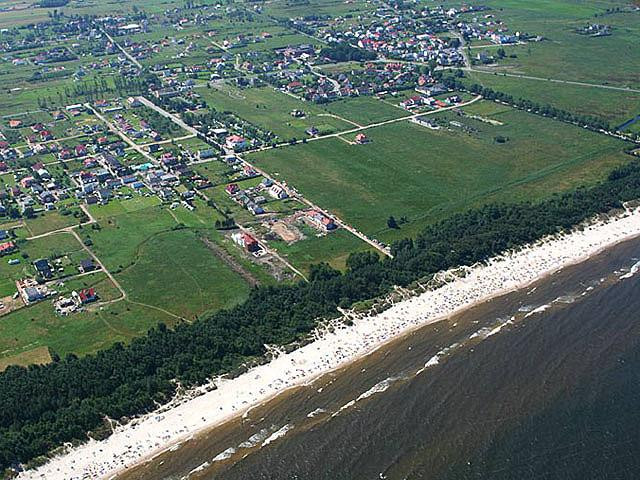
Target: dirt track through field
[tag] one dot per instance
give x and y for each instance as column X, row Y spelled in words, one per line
column 231, row 262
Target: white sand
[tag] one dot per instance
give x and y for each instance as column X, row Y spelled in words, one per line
column 177, row 422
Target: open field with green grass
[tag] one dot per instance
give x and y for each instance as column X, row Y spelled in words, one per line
column 117, row 241
column 162, row 265
column 49, row 221
column 411, row 171
column 333, row 249
column 566, row 55
column 175, row 271
column 36, row 356
column 39, row 325
column 166, row 272
column 118, row 207
column 491, row 153
column 366, row 110
column 614, row 106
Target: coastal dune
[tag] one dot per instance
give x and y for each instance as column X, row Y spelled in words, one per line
column 172, row 424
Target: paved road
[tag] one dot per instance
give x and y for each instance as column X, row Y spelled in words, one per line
column 176, row 119
column 121, row 134
column 462, row 48
column 393, row 120
column 126, row 54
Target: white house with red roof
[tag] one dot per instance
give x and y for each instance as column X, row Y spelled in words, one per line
column 236, row 142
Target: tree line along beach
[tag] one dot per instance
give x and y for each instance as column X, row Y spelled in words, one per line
column 335, row 347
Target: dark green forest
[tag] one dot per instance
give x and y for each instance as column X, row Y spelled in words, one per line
column 44, row 406
column 343, row 52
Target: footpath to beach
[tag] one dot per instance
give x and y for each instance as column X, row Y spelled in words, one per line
column 147, row 436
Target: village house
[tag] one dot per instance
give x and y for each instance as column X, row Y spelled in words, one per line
column 232, row 189
column 276, row 191
column 321, row 221
column 6, row 248
column 86, row 295
column 246, row 241
column 361, row 138
column 87, row 265
column 236, row 142
column 31, row 292
column 43, row 268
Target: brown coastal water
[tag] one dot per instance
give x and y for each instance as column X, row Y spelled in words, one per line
column 542, row 383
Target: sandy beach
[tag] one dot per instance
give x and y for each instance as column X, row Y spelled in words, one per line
column 172, row 424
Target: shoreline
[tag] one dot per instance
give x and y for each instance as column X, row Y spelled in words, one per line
column 148, row 436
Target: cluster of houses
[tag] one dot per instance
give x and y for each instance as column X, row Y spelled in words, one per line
column 376, row 78
column 106, row 174
column 489, row 28
column 408, row 34
column 103, row 174
column 373, row 78
column 38, row 188
column 416, row 101
column 277, row 60
column 102, row 171
column 67, row 305
column 33, row 290
column 319, row 221
column 143, row 131
column 595, row 30
column 53, row 55
column 18, row 43
column 253, row 198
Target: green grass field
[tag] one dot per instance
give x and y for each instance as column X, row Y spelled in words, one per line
column 409, row 170
column 166, row 272
column 614, row 106
column 46, row 222
column 333, row 249
column 365, row 110
column 39, row 326
column 175, row 271
column 613, row 60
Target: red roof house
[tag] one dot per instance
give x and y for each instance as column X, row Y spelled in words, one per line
column 6, row 248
